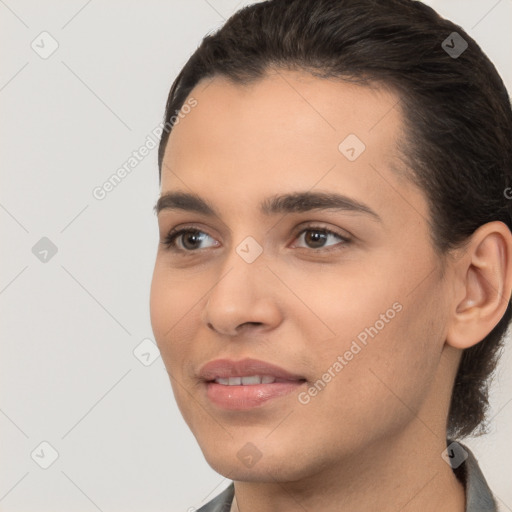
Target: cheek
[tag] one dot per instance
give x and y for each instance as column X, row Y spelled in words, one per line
column 160, row 306
column 331, row 302
column 375, row 384
column 352, row 320
column 171, row 310
column 383, row 358
column 172, row 305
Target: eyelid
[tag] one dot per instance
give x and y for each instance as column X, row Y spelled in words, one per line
column 321, row 226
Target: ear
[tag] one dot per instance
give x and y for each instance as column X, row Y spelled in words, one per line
column 483, row 285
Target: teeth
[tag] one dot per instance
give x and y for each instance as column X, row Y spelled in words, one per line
column 245, row 381
column 253, row 379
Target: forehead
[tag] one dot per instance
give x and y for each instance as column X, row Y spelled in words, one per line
column 284, row 113
column 294, row 104
column 287, row 130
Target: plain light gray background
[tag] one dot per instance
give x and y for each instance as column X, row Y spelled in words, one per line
column 71, row 324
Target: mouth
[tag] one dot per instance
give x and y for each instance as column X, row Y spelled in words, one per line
column 249, row 380
column 245, row 384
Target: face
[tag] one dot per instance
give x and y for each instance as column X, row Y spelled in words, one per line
column 336, row 299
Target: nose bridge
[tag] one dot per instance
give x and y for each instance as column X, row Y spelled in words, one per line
column 242, row 270
column 243, row 292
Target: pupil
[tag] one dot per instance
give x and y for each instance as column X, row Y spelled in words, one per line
column 317, row 237
column 195, row 238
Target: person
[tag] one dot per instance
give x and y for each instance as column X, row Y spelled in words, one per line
column 333, row 279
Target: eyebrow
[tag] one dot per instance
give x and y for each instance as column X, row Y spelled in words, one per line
column 285, row 203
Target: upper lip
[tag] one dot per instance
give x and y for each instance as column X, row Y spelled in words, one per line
column 223, row 368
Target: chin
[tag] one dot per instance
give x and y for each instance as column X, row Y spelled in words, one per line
column 272, row 462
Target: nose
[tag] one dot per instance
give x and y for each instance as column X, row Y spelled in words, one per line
column 244, row 297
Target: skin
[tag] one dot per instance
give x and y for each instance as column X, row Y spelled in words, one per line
column 372, row 439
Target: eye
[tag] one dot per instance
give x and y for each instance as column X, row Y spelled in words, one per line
column 316, row 236
column 191, row 240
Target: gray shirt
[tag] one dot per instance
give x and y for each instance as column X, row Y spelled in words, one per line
column 479, row 497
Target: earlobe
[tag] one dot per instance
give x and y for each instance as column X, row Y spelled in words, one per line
column 485, row 285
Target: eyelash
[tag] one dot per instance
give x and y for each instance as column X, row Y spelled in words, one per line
column 170, row 240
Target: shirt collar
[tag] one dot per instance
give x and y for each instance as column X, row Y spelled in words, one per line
column 479, row 497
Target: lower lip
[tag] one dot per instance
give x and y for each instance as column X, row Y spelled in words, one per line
column 248, row 397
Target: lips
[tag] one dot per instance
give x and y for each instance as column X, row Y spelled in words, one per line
column 245, row 384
